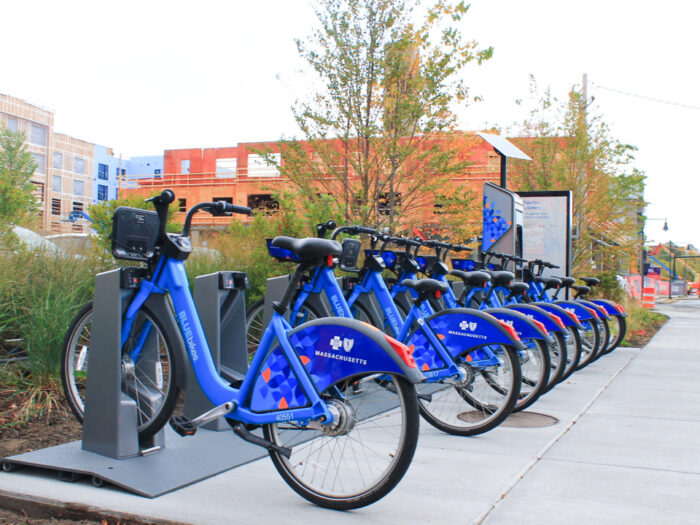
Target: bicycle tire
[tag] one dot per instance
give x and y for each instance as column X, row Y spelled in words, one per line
column 74, row 365
column 590, row 341
column 476, row 407
column 604, row 328
column 573, row 352
column 534, row 370
column 618, row 329
column 325, row 469
column 143, row 376
column 558, row 361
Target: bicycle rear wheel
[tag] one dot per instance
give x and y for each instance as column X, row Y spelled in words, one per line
column 590, row 341
column 618, row 329
column 558, row 360
column 479, row 403
column 572, row 340
column 535, row 369
column 148, row 369
column 365, row 456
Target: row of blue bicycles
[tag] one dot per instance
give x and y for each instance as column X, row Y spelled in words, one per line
column 342, row 368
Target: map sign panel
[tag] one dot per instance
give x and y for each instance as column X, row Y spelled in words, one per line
column 547, row 229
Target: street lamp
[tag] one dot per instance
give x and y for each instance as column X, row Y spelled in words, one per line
column 665, row 228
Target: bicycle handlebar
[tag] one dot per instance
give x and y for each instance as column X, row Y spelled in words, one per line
column 217, row 209
column 354, row 230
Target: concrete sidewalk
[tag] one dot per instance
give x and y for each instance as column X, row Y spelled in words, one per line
column 626, row 449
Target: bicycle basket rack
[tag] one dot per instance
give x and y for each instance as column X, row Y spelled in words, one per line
column 134, row 233
column 348, row 259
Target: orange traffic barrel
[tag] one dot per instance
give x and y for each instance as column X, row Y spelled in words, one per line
column 648, row 297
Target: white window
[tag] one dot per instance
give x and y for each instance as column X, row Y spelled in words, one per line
column 78, row 187
column 57, row 160
column 79, row 165
column 11, row 124
column 226, row 167
column 185, row 166
column 40, row 161
column 258, row 166
column 37, row 134
column 56, row 184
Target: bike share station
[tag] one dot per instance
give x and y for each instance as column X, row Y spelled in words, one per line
column 110, row 451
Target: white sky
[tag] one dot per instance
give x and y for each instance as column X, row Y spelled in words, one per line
column 146, row 76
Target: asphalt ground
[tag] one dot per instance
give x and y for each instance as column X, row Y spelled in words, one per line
column 625, row 448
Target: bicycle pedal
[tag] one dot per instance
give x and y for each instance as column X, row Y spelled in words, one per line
column 183, row 425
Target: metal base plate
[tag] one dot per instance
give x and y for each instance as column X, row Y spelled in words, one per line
column 182, row 462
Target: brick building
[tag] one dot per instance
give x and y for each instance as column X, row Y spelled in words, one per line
column 239, row 174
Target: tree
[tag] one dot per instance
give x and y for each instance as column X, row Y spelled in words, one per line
column 16, row 170
column 377, row 131
column 572, row 149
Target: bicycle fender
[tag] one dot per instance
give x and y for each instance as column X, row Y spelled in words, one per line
column 159, row 305
column 568, row 318
column 462, row 330
column 524, row 327
column 576, row 308
column 610, row 307
column 330, row 349
column 538, row 314
column 599, row 309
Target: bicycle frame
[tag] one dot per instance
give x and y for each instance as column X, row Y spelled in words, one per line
column 253, row 400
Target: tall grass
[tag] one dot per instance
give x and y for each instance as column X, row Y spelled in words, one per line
column 39, row 295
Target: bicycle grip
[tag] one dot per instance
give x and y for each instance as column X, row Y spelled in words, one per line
column 234, row 208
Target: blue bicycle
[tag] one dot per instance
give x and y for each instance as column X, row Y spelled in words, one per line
column 335, row 398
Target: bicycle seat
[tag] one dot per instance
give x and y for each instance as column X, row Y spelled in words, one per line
column 502, row 278
column 581, row 290
column 591, row 281
column 549, row 282
column 425, row 285
column 309, row 248
column 518, row 288
column 474, row 278
column 567, row 281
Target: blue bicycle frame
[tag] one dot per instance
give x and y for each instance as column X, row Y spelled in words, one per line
column 255, row 401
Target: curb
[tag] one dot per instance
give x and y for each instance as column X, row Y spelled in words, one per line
column 42, row 508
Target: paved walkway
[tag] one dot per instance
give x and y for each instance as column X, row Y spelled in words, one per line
column 626, row 449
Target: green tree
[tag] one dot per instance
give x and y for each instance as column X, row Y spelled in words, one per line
column 376, row 132
column 16, row 170
column 572, row 148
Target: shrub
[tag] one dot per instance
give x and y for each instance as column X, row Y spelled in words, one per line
column 39, row 295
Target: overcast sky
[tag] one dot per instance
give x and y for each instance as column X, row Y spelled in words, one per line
column 146, row 76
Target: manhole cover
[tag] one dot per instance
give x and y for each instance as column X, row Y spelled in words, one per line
column 472, row 416
column 529, row 420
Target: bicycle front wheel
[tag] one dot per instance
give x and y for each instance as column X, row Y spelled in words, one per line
column 364, row 456
column 481, row 401
column 148, row 369
column 74, row 360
